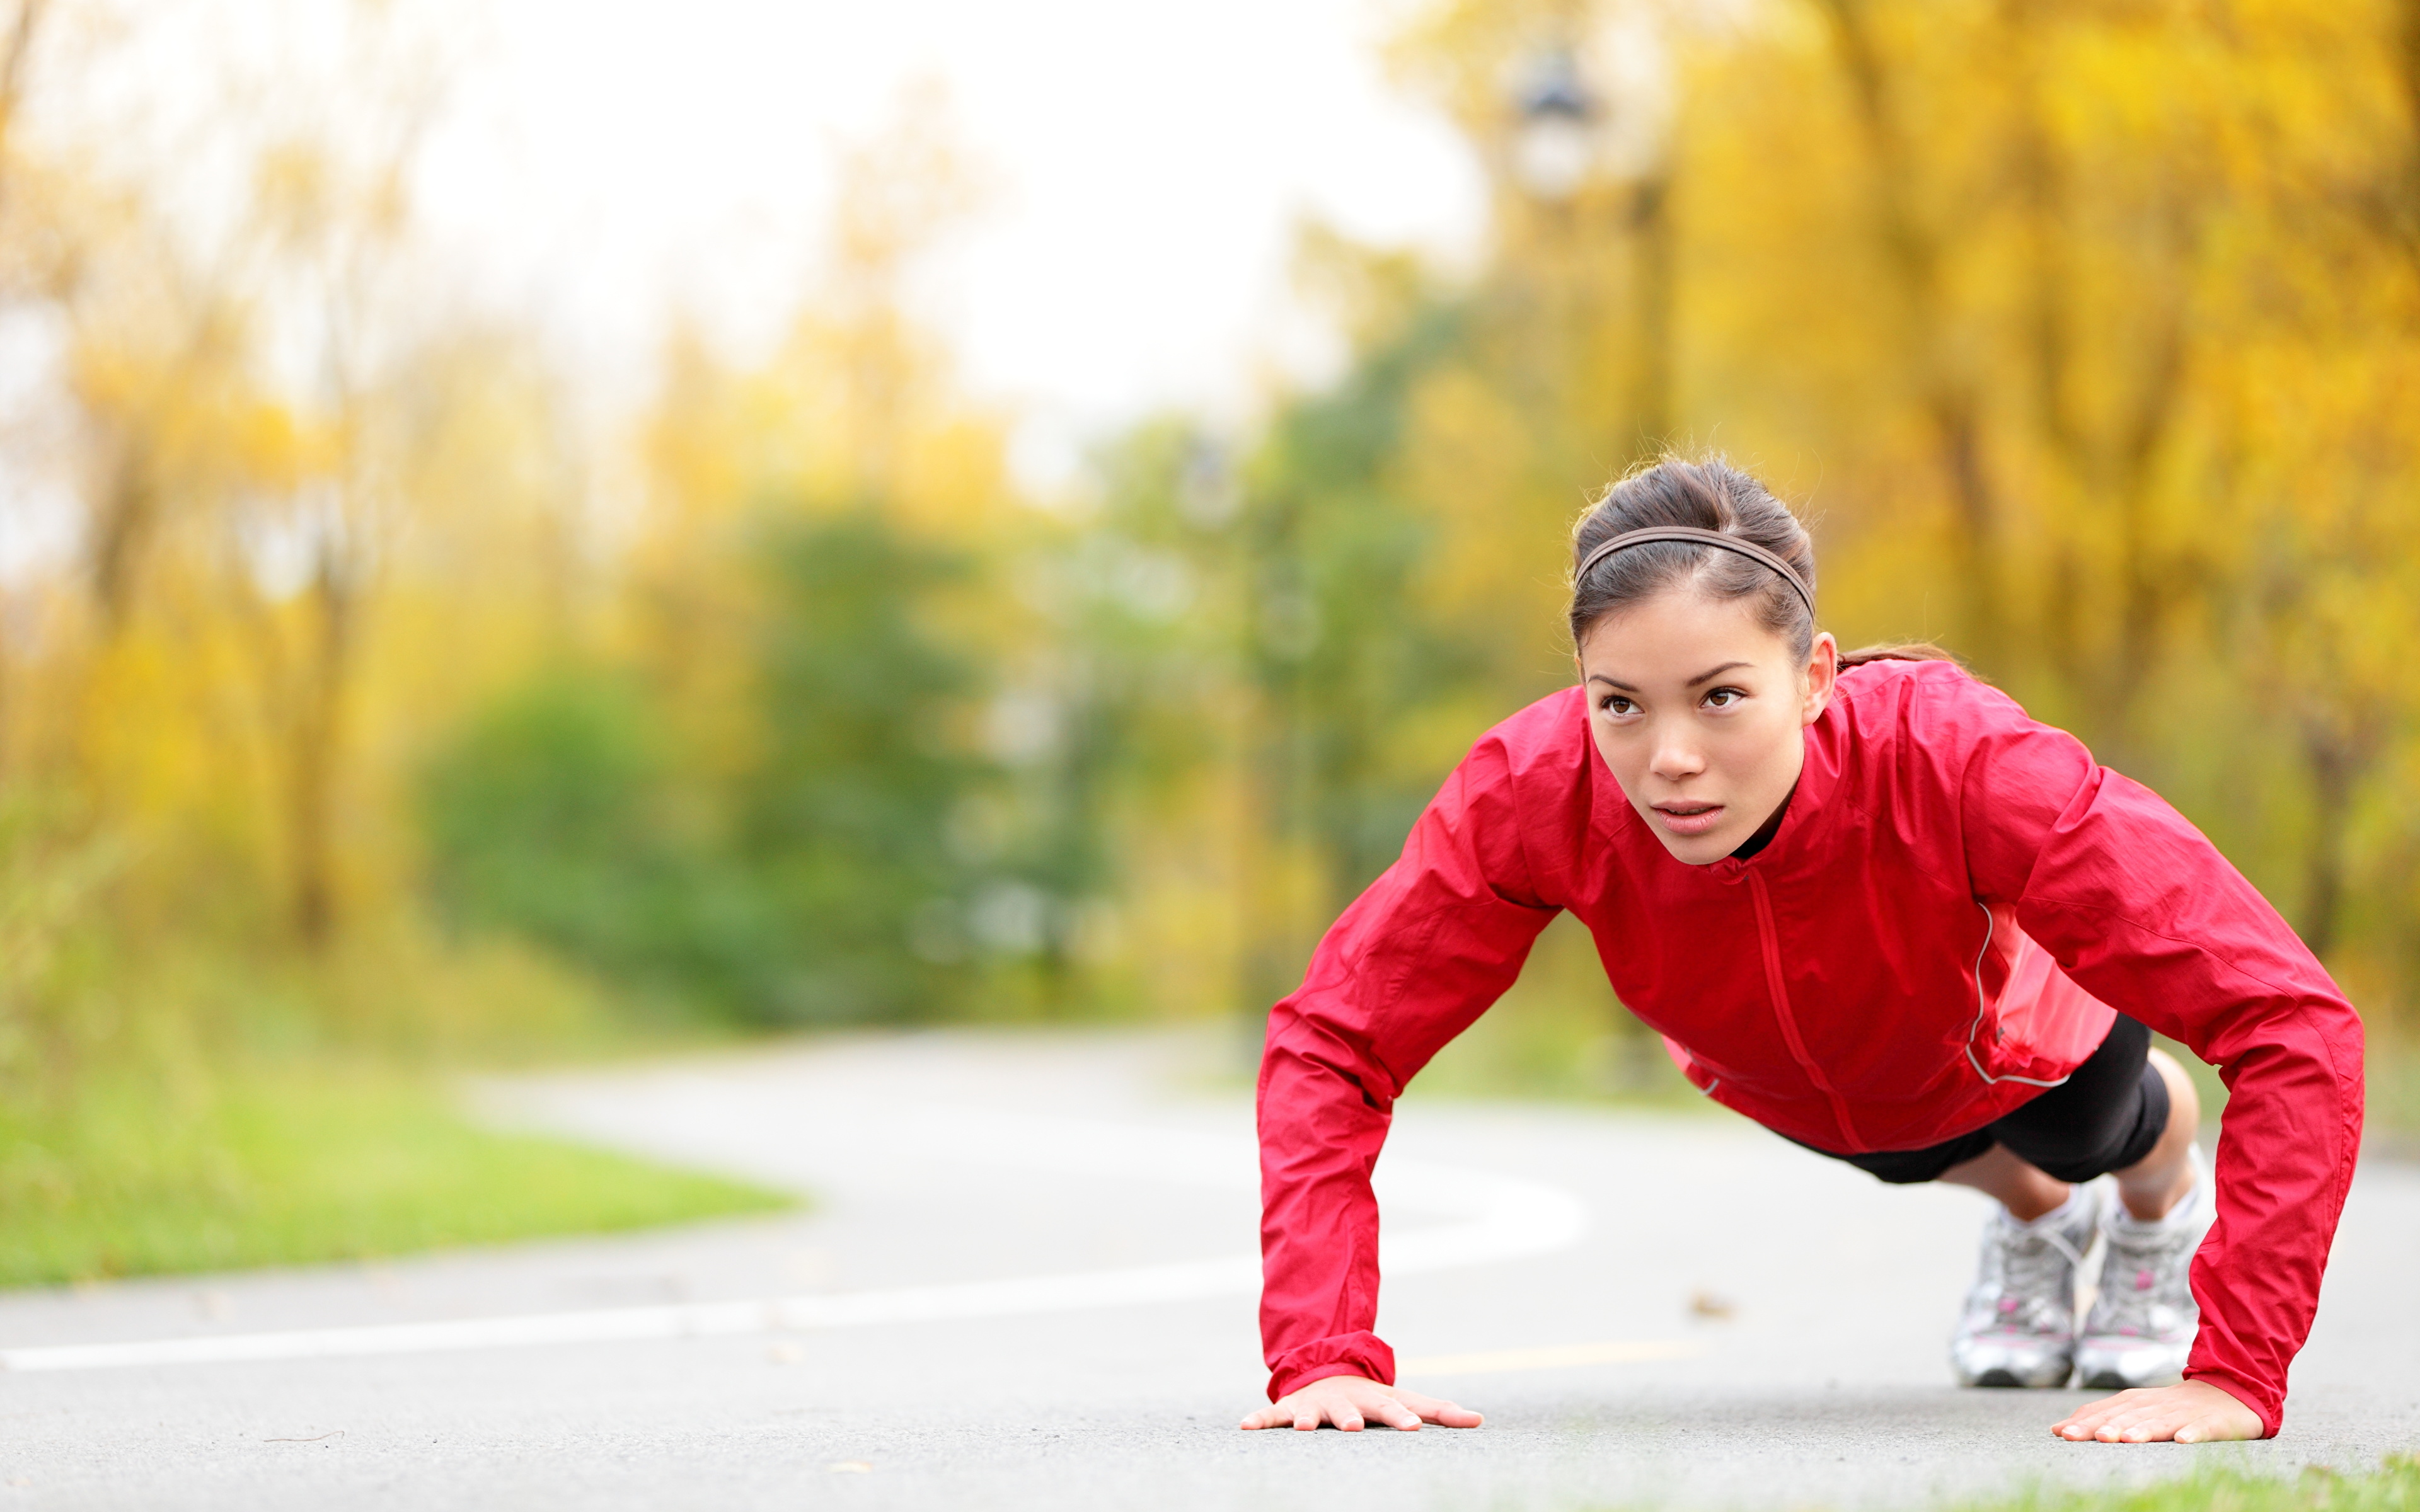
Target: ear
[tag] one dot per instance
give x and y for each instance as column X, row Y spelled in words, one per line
column 1822, row 675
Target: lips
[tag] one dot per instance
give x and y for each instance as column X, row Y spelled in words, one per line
column 1689, row 818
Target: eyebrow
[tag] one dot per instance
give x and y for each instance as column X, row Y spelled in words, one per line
column 1703, row 677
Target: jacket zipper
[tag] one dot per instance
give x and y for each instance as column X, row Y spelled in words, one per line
column 1770, row 938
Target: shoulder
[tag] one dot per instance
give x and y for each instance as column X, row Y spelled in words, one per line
column 1933, row 724
column 1937, row 708
column 1548, row 740
column 1528, row 780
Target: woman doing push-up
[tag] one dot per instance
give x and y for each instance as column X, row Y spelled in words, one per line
column 1870, row 904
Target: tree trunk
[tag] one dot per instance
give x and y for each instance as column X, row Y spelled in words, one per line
column 2337, row 761
column 1652, row 397
column 315, row 748
column 2407, row 58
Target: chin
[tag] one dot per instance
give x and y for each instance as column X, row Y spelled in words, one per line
column 1699, row 852
column 1696, row 849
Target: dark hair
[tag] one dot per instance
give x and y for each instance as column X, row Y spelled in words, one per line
column 1709, row 495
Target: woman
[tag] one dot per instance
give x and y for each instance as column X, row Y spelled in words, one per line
column 1871, row 905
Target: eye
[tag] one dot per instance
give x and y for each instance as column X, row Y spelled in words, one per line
column 1615, row 705
column 1723, row 698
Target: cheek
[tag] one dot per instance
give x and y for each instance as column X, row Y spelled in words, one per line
column 1758, row 753
column 1613, row 753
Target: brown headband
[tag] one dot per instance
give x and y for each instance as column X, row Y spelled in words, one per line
column 1693, row 535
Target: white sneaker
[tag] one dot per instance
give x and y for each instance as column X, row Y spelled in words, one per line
column 2142, row 1324
column 2018, row 1326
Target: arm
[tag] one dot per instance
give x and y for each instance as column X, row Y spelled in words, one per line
column 2143, row 913
column 1419, row 956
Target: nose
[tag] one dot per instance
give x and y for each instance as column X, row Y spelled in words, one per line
column 1676, row 756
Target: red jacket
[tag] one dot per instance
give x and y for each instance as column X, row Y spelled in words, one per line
column 1953, row 896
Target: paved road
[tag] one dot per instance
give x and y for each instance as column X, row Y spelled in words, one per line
column 1027, row 1282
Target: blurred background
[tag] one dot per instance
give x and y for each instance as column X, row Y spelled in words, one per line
column 533, row 530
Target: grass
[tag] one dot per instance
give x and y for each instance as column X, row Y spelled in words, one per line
column 304, row 1162
column 2393, row 1487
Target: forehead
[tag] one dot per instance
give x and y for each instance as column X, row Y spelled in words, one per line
column 1675, row 636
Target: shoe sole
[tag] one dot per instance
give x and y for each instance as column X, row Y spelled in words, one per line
column 2110, row 1378
column 2000, row 1377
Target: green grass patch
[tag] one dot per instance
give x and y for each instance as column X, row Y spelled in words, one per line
column 2393, row 1487
column 298, row 1162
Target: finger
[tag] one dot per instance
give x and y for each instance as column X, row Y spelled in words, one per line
column 2084, row 1421
column 1438, row 1411
column 1442, row 1412
column 2158, row 1428
column 2144, row 1427
column 2112, row 1424
column 2088, row 1419
column 2080, row 1423
column 1345, row 1415
column 1307, row 1418
column 1396, row 1416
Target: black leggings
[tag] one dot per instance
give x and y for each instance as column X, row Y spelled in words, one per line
column 2104, row 1117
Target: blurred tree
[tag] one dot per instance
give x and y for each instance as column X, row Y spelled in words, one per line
column 550, row 814
column 807, row 627
column 845, row 819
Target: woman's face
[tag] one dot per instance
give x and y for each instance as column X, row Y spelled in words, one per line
column 1698, row 711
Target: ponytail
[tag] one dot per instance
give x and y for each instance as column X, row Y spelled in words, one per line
column 1901, row 651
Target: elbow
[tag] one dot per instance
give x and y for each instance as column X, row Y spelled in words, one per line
column 1309, row 1061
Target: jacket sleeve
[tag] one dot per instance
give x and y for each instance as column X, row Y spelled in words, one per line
column 1410, row 964
column 2143, row 913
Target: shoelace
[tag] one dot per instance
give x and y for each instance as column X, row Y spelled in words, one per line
column 2141, row 1274
column 2035, row 1268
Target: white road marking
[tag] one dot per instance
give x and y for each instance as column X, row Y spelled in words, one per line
column 1503, row 1218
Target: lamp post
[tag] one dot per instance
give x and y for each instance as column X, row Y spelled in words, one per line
column 1566, row 135
column 1555, row 130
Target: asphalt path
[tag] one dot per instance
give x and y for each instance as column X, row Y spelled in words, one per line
column 1027, row 1280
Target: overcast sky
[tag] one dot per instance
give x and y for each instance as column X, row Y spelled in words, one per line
column 600, row 160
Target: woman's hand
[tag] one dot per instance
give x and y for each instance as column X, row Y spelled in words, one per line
column 2194, row 1412
column 1349, row 1401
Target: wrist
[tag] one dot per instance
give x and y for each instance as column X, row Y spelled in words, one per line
column 2242, row 1395
column 1295, row 1380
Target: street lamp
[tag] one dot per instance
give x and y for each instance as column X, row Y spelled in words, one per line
column 1555, row 134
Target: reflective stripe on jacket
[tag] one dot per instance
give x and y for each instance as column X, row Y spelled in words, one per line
column 1955, row 901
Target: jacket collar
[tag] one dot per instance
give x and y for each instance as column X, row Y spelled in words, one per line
column 1800, row 842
